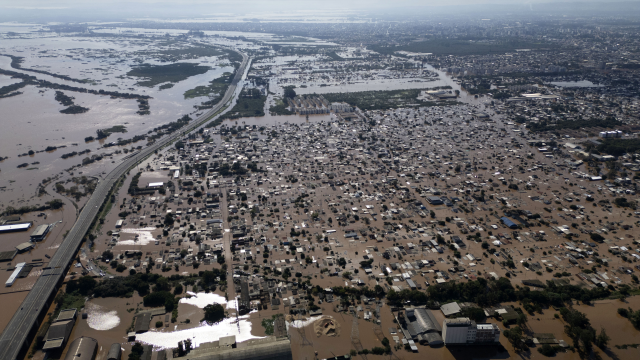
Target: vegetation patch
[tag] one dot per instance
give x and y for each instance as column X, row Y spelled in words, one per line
column 11, row 90
column 618, row 147
column 267, row 324
column 104, row 133
column 382, row 100
column 280, row 108
column 250, row 103
column 632, row 316
column 214, row 313
column 74, row 109
column 16, row 63
column 49, row 205
column 158, row 74
column 217, row 86
column 68, row 101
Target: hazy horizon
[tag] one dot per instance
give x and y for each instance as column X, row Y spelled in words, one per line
column 79, row 10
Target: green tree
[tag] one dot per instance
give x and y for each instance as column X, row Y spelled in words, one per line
column 521, row 320
column 213, row 313
column 289, row 92
column 136, row 352
column 168, row 220
column 515, row 337
column 602, row 340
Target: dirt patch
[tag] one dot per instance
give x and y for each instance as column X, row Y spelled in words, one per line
column 326, row 326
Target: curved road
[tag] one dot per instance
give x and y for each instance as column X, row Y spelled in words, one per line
column 24, row 324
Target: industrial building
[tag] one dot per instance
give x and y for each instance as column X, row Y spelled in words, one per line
column 60, row 330
column 142, row 322
column 115, row 352
column 463, row 331
column 24, row 247
column 40, row 232
column 508, row 222
column 82, row 348
column 14, row 275
column 459, row 331
column 422, row 326
column 487, row 333
column 15, row 227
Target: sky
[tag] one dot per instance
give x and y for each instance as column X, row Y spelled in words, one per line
column 93, row 9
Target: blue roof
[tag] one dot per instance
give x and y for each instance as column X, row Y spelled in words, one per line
column 509, row 223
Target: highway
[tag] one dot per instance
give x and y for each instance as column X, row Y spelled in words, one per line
column 17, row 336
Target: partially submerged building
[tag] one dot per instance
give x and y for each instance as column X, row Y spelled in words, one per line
column 115, row 352
column 40, row 232
column 463, row 331
column 60, row 330
column 422, row 326
column 82, row 348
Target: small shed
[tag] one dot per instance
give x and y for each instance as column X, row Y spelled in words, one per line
column 115, row 352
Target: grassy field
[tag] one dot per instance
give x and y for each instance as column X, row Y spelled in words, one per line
column 250, row 103
column 463, row 47
column 280, row 108
column 158, row 74
column 381, row 100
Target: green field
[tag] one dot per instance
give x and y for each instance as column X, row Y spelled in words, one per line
column 463, row 47
column 280, row 108
column 158, row 74
column 250, row 103
column 382, row 100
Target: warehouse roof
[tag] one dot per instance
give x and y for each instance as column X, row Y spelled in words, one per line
column 450, row 308
column 434, row 339
column 422, row 321
column 142, row 322
column 24, row 246
column 40, row 231
column 115, row 352
column 15, row 227
column 82, row 348
column 508, row 222
column 66, row 314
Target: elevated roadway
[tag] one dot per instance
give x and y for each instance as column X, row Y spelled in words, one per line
column 24, row 325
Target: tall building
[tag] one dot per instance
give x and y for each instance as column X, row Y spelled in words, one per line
column 458, row 331
column 487, row 333
column 465, row 331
